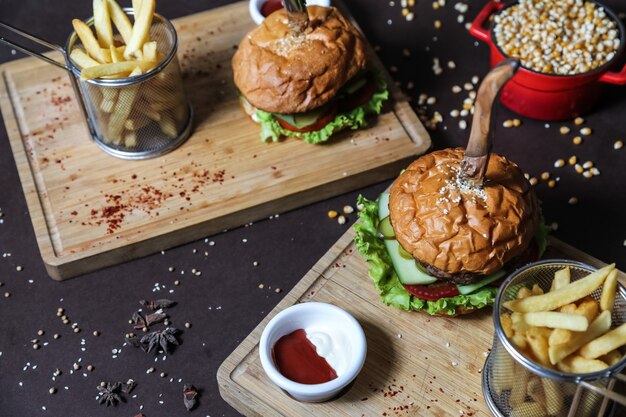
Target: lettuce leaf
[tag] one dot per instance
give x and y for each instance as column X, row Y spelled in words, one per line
column 381, row 271
column 355, row 119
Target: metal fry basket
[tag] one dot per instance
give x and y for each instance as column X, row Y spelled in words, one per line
column 515, row 385
column 137, row 117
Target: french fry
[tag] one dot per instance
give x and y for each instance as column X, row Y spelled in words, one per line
column 150, row 51
column 611, row 358
column 117, row 53
column 120, row 20
column 102, row 23
column 109, row 98
column 605, row 343
column 114, row 69
column 554, row 398
column 126, row 98
column 555, row 320
column 518, row 324
column 106, row 54
column 141, row 28
column 559, row 336
column 527, row 409
column 561, row 279
column 152, row 115
column 130, row 140
column 578, row 365
column 168, row 126
column 136, row 5
column 136, row 123
column 534, row 389
column 536, row 290
column 523, row 293
column 519, row 340
column 518, row 390
column 538, row 344
column 598, row 327
column 89, row 41
column 607, row 299
column 588, row 307
column 562, row 296
column 81, row 59
column 568, row 308
column 507, row 324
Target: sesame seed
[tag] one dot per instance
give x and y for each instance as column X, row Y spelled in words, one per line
column 188, row 325
column 162, row 374
column 52, row 390
column 456, row 89
column 468, row 86
column 455, row 363
column 475, row 79
column 177, row 282
column 90, row 368
column 277, row 290
column 431, row 100
column 462, row 124
column 261, row 286
column 56, row 336
column 36, row 346
column 40, row 332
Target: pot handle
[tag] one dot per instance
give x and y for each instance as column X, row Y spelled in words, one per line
column 612, row 77
column 477, row 29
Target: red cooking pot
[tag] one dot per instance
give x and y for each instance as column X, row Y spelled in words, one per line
column 548, row 96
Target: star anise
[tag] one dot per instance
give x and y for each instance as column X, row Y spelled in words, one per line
column 141, row 321
column 109, row 393
column 189, row 396
column 157, row 304
column 132, row 339
column 163, row 338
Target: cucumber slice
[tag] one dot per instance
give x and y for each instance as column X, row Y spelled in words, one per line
column 470, row 288
column 289, row 118
column 385, row 228
column 407, row 270
column 310, row 117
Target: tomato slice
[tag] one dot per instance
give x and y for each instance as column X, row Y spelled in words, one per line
column 359, row 97
column 270, row 6
column 433, row 292
column 321, row 122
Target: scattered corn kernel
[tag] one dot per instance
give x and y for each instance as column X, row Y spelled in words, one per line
column 508, row 123
column 585, row 131
column 456, row 89
column 595, row 171
column 564, row 130
column 588, row 165
column 551, row 183
column 559, row 163
column 348, row 209
column 341, row 220
column 533, row 181
column 545, row 176
column 468, row 86
column 435, row 5
column 332, row 214
column 437, row 24
column 572, row 160
column 454, row 113
column 618, row 144
column 578, row 168
column 405, row 12
column 579, row 121
column 517, row 122
column 587, row 174
column 577, row 140
column 431, row 100
column 462, row 124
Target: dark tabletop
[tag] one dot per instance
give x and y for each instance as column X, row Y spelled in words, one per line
column 225, row 303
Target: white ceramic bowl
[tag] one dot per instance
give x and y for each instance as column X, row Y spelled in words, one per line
column 255, row 8
column 301, row 316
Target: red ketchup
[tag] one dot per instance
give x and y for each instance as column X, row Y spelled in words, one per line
column 296, row 359
column 270, row 6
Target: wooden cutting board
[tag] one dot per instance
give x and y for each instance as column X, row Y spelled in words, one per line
column 90, row 210
column 416, row 365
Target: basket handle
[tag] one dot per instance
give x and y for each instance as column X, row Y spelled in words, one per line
column 30, row 51
column 477, row 29
column 607, row 393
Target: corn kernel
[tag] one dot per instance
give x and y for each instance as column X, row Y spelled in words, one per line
column 437, row 24
column 579, row 121
column 533, row 181
column 559, row 163
column 577, row 140
column 588, row 165
column 545, row 176
column 564, row 130
column 585, row 131
column 551, row 183
column 618, row 144
column 517, row 122
column 572, row 160
column 508, row 123
column 578, row 168
column 332, row 214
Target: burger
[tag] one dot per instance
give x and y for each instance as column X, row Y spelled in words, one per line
column 307, row 85
column 439, row 244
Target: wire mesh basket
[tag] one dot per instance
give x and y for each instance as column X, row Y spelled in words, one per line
column 515, row 385
column 137, row 117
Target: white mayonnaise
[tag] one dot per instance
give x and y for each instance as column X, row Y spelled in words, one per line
column 332, row 345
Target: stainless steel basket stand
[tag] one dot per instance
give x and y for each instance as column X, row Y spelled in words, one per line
column 576, row 394
column 137, row 117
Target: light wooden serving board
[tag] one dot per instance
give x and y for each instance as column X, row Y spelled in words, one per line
column 416, row 365
column 222, row 177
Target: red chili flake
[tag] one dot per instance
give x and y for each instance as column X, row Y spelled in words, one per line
column 74, row 213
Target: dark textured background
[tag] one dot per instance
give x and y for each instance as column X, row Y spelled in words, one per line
column 224, row 304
